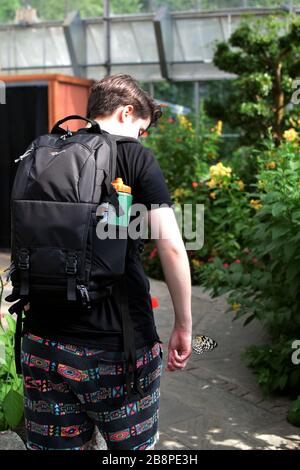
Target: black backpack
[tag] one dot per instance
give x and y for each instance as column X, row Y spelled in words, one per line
column 61, row 180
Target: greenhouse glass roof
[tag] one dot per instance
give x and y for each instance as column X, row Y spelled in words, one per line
column 150, row 46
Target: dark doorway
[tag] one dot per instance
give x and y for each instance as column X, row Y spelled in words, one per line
column 22, row 119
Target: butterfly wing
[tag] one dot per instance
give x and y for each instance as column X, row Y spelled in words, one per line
column 202, row 343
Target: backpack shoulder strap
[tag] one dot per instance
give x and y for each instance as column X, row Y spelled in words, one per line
column 128, row 342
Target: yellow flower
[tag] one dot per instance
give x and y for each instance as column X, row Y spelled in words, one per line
column 184, row 122
column 241, row 184
column 290, row 135
column 220, row 170
column 255, row 203
column 219, row 127
column 213, row 195
column 211, row 183
column 179, row 192
column 196, row 263
column 236, row 306
column 271, row 165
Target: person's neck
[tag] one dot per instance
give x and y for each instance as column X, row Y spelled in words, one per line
column 107, row 126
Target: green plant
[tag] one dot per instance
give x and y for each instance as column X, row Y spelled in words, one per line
column 184, row 148
column 264, row 54
column 274, row 368
column 263, row 283
column 11, row 384
column 293, row 416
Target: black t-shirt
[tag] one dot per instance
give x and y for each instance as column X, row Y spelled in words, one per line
column 102, row 327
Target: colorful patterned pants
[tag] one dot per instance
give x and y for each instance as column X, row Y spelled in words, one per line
column 71, row 389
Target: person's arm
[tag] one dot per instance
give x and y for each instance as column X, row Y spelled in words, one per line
column 163, row 228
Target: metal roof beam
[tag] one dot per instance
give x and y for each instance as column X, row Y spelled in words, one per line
column 74, row 32
column 163, row 35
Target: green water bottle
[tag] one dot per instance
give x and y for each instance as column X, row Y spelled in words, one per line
column 125, row 200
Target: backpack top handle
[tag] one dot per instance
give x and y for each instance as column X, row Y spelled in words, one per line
column 94, row 129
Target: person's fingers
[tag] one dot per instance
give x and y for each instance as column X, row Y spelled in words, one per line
column 170, row 365
column 173, row 364
column 173, row 367
column 181, row 357
column 176, row 364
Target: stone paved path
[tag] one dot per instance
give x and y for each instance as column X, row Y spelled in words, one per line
column 215, row 403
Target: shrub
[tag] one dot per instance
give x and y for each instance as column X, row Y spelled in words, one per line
column 11, row 384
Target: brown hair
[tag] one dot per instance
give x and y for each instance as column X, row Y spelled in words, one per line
column 108, row 94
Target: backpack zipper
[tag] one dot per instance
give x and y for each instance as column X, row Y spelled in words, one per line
column 28, row 152
column 84, row 295
column 48, row 146
column 67, row 143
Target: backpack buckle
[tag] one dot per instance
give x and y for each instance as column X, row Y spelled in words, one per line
column 141, row 246
column 23, row 259
column 71, row 264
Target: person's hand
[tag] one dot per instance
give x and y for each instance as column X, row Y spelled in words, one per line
column 179, row 349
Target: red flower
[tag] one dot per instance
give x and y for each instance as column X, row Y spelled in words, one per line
column 170, row 119
column 225, row 265
column 191, row 253
column 211, row 259
column 237, row 261
column 194, row 184
column 153, row 253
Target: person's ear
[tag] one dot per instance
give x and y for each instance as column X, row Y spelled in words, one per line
column 128, row 110
column 120, row 114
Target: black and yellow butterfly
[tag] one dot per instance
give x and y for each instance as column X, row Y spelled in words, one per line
column 202, row 343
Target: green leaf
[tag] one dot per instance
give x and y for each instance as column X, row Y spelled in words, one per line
column 249, row 319
column 294, row 377
column 293, row 416
column 13, row 408
column 279, row 230
column 282, row 381
column 293, row 270
column 11, row 323
column 278, row 208
column 296, row 216
column 294, row 165
column 289, row 250
column 271, row 197
column 3, row 423
column 236, row 277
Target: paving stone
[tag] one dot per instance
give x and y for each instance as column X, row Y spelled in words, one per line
column 10, row 440
column 216, row 402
